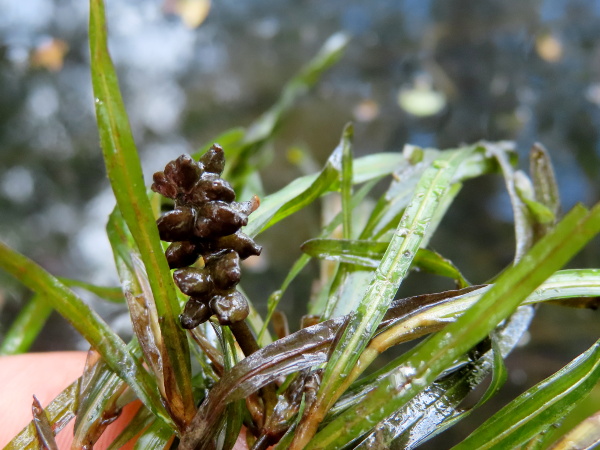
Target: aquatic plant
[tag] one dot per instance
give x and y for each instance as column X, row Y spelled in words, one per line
column 309, row 389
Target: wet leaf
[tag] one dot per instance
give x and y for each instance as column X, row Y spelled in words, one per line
column 87, row 322
column 280, row 204
column 111, row 294
column 314, row 307
column 140, row 421
column 369, row 254
column 157, row 436
column 523, row 224
column 310, row 346
column 544, row 179
column 42, row 426
column 542, row 406
column 346, row 180
column 300, row 350
column 59, row 412
column 125, row 174
column 380, row 293
column 100, row 399
column 430, row 358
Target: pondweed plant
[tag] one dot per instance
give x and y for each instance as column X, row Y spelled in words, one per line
column 206, row 366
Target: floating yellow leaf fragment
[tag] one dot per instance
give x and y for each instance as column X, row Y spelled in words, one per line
column 192, row 12
column 50, row 55
column 549, row 48
column 421, row 99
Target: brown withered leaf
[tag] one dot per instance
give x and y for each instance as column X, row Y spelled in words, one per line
column 42, row 425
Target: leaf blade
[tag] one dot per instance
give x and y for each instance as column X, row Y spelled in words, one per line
column 125, row 174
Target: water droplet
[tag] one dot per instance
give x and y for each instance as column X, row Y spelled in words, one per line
column 402, row 232
column 440, row 164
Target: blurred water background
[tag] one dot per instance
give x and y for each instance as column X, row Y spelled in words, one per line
column 426, row 72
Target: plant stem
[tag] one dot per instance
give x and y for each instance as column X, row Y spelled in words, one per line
column 247, row 342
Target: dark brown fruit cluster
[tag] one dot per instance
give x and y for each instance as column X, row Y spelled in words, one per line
column 205, row 223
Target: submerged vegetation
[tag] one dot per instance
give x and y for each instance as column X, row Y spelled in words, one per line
column 202, row 379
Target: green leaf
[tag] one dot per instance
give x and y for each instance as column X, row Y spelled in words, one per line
column 310, row 346
column 296, row 195
column 329, row 54
column 380, row 293
column 346, row 180
column 406, row 176
column 261, row 130
column 523, row 226
column 156, row 437
column 125, row 175
column 87, row 322
column 26, row 327
column 433, row 356
column 542, row 406
column 100, row 390
column 369, row 254
column 112, row 294
column 544, row 179
column 314, row 308
column 300, row 350
column 438, row 406
column 142, row 419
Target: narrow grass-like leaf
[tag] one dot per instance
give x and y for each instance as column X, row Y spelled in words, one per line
column 97, row 404
column 327, row 56
column 365, row 169
column 234, row 414
column 523, row 227
column 407, row 174
column 125, row 174
column 59, row 412
column 310, row 346
column 544, row 179
column 42, row 426
column 157, row 436
column 142, row 420
column 380, row 293
column 26, row 326
column 369, row 254
column 542, row 406
column 112, row 294
column 430, row 358
column 442, row 209
column 325, row 182
column 314, row 308
column 300, row 350
column 437, row 407
column 241, row 165
column 346, row 180
column 87, row 323
column 139, row 296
